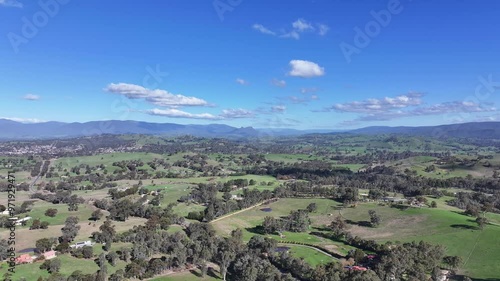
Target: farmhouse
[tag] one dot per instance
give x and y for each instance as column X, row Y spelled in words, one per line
column 26, row 258
column 81, row 244
column 394, row 200
column 20, row 221
column 49, row 255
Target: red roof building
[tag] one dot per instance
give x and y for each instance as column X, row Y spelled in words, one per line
column 49, row 255
column 26, row 258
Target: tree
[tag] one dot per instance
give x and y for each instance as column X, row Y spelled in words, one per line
column 358, row 255
column 436, row 274
column 481, row 222
column 112, row 257
column 374, row 218
column 433, row 204
column 52, row 266
column 226, row 196
column 70, row 229
column 45, row 244
column 44, row 225
column 270, row 225
column 4, row 249
column 51, row 212
column 312, row 207
column 35, row 224
column 338, row 227
column 117, row 276
column 227, row 249
column 453, row 261
column 87, row 252
column 97, row 215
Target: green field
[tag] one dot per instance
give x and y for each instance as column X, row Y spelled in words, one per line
column 445, row 226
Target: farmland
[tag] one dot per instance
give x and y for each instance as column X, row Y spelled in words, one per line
column 344, row 177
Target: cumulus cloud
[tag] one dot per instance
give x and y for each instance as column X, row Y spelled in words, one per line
column 262, row 29
column 278, row 83
column 305, row 69
column 24, row 120
column 175, row 113
column 242, row 81
column 11, row 3
column 158, row 97
column 302, row 25
column 31, row 97
column 379, row 105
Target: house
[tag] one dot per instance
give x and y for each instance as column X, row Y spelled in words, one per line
column 236, row 197
column 26, row 258
column 82, row 244
column 49, row 255
column 20, row 221
column 395, row 200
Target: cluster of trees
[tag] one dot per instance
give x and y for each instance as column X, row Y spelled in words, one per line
column 61, row 197
column 296, row 221
column 37, row 224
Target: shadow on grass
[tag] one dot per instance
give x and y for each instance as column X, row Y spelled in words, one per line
column 195, row 273
column 400, row 207
column 460, row 277
column 256, row 230
column 359, row 223
column 213, row 273
column 464, row 226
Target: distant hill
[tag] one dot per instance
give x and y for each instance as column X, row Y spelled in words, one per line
column 15, row 130
column 481, row 130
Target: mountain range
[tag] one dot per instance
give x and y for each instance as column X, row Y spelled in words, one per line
column 12, row 130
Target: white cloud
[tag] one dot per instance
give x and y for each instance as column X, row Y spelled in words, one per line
column 299, row 26
column 157, row 96
column 242, row 81
column 292, row 34
column 262, row 29
column 379, row 105
column 175, row 113
column 278, row 83
column 278, row 108
column 11, row 3
column 31, row 97
column 302, row 25
column 237, row 113
column 24, row 120
column 308, row 90
column 305, row 69
column 323, row 29
column 225, row 115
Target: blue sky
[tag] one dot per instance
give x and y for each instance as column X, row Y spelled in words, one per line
column 305, row 64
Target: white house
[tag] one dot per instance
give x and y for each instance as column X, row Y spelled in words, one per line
column 20, row 221
column 82, row 244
